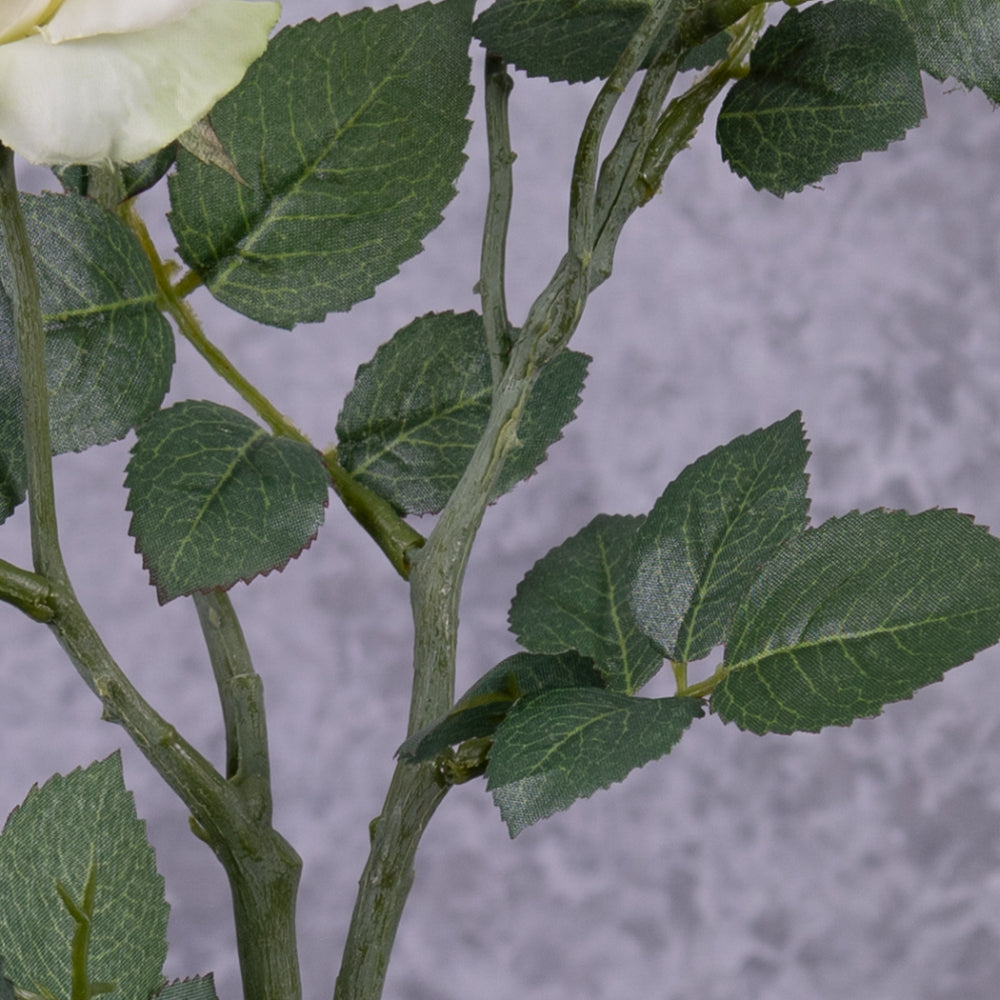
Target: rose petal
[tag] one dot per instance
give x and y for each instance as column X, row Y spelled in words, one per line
column 120, row 97
column 83, row 18
column 19, row 17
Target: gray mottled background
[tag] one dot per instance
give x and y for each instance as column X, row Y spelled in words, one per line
column 859, row 863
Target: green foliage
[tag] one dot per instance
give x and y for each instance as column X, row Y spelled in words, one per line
column 564, row 40
column 559, row 746
column 99, row 305
column 349, row 135
column 418, row 408
column 197, row 988
column 856, row 613
column 578, row 597
column 216, row 498
column 6, row 986
column 956, row 38
column 826, row 84
column 82, row 823
column 707, row 536
column 483, row 707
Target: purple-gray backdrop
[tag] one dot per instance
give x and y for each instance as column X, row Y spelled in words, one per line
column 862, row 862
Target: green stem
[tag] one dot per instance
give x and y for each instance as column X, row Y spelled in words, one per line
column 30, row 334
column 189, row 326
column 376, row 515
column 582, row 229
column 27, row 591
column 492, row 281
column 263, row 869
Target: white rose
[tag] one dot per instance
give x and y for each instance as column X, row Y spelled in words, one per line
column 100, row 81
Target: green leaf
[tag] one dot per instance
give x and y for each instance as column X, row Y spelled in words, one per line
column 705, row 539
column 99, row 306
column 857, row 613
column 216, row 498
column 6, row 986
column 349, row 133
column 70, row 823
column 418, row 409
column 712, row 51
column 559, row 746
column 956, row 38
column 197, row 988
column 564, row 40
column 483, row 707
column 826, row 84
column 578, row 597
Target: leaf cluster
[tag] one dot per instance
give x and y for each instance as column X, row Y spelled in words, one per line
column 820, row 625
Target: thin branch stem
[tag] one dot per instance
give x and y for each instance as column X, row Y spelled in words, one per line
column 582, row 231
column 393, row 535
column 241, row 692
column 30, row 334
column 492, row 271
column 189, row 326
column 27, row 591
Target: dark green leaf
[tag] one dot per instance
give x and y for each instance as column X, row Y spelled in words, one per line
column 857, row 613
column 704, row 541
column 956, row 38
column 568, row 40
column 826, row 84
column 349, row 134
column 61, row 829
column 482, row 708
column 559, row 746
column 99, row 305
column 215, row 498
column 578, row 597
column 198, row 988
column 708, row 52
column 6, row 986
column 418, row 408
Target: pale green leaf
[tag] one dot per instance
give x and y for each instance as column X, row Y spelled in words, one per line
column 562, row 745
column 578, row 597
column 705, row 539
column 419, row 407
column 215, row 498
column 109, row 352
column 857, row 613
column 71, row 822
column 826, row 84
column 349, row 134
column 483, row 707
